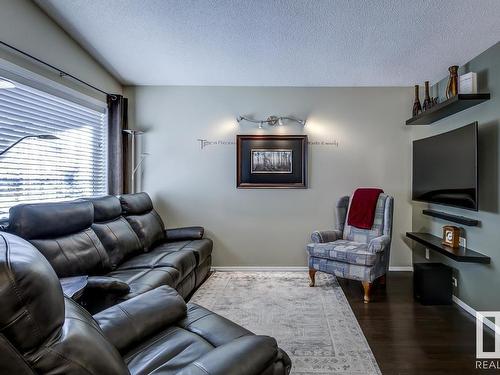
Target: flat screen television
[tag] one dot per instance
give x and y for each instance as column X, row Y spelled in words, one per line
column 445, row 168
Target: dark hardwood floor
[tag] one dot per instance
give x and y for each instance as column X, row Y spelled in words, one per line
column 408, row 338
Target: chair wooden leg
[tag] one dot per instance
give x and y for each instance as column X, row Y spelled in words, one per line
column 312, row 275
column 368, row 289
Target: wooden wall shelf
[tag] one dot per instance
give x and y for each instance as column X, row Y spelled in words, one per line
column 460, row 254
column 454, row 218
column 447, row 108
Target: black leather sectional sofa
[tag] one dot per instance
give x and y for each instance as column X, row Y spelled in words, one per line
column 44, row 332
column 138, row 275
column 123, row 239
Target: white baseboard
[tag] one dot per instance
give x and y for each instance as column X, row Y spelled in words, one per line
column 401, row 268
column 464, row 306
column 488, row 323
column 285, row 269
column 259, row 269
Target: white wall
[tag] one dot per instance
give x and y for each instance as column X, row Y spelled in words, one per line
column 190, row 185
column 25, row 26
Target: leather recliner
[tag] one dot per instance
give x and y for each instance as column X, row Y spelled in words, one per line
column 121, row 243
column 43, row 332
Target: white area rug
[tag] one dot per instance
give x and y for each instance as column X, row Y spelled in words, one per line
column 315, row 326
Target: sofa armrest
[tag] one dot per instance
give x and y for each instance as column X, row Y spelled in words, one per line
column 379, row 244
column 185, row 233
column 107, row 284
column 248, row 355
column 325, row 236
column 131, row 321
column 74, row 286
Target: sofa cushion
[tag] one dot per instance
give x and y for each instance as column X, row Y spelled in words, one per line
column 62, row 233
column 214, row 328
column 50, row 220
column 136, row 203
column 248, row 355
column 142, row 280
column 131, row 322
column 183, row 261
column 114, row 231
column 106, row 208
column 343, row 251
column 201, row 249
column 144, row 220
column 119, row 240
column 76, row 254
column 167, row 352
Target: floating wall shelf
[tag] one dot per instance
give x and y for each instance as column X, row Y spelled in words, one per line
column 447, row 108
column 454, row 218
column 460, row 254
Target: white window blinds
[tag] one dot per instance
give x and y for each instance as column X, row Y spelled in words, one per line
column 35, row 170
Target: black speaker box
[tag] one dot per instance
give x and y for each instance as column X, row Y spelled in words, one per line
column 432, row 283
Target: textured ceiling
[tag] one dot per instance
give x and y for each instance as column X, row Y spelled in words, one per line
column 279, row 42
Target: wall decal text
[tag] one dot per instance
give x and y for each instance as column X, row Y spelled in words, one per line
column 205, row 143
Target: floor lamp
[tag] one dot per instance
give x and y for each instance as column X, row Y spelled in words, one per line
column 133, row 147
column 39, row 136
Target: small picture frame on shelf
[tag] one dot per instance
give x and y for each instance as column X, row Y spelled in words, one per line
column 451, row 236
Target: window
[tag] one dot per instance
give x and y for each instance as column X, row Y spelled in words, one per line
column 35, row 170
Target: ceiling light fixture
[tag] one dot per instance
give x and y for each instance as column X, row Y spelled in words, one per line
column 271, row 121
column 6, row 84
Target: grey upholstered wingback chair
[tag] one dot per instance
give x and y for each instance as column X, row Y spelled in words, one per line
column 353, row 253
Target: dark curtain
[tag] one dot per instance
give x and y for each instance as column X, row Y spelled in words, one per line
column 117, row 144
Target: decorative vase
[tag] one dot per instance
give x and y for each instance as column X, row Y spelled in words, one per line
column 427, row 101
column 416, row 103
column 452, row 88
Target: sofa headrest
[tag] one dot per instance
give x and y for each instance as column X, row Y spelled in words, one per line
column 106, row 208
column 50, row 220
column 136, row 204
column 32, row 305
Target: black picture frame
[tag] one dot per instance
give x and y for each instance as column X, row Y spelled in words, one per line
column 271, row 161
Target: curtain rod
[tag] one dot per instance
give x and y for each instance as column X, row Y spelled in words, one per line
column 62, row 73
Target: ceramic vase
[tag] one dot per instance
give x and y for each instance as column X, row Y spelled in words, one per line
column 417, row 107
column 427, row 100
column 452, row 87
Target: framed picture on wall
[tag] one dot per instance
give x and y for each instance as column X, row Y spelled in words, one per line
column 271, row 161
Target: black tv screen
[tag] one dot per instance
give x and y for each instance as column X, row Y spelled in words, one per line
column 445, row 168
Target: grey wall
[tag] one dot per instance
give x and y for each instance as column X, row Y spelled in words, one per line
column 478, row 285
column 191, row 185
column 25, row 26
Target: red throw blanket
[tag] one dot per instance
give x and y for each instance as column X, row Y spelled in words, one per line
column 362, row 210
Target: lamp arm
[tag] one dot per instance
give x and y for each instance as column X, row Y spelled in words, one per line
column 15, row 143
column 139, row 164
